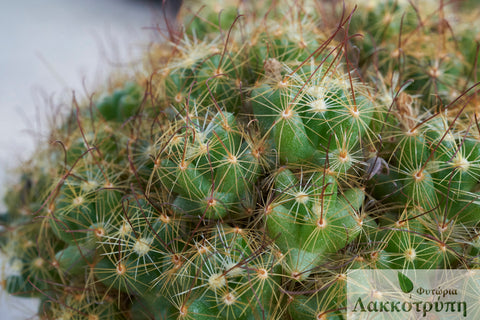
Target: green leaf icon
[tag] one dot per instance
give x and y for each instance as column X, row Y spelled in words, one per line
column 405, row 283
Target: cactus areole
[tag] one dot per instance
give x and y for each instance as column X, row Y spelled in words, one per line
column 265, row 150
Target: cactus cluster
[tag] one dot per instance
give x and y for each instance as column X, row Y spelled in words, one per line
column 266, row 149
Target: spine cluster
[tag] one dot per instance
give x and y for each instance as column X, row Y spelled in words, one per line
column 267, row 149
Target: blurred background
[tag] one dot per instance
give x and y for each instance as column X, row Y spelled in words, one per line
column 51, row 48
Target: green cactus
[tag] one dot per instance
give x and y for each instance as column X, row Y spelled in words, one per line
column 267, row 152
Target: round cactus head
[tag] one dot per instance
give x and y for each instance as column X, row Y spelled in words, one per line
column 270, row 149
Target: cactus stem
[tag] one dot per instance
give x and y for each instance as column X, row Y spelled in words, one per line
column 199, row 221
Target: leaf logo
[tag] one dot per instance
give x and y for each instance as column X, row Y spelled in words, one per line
column 405, row 283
